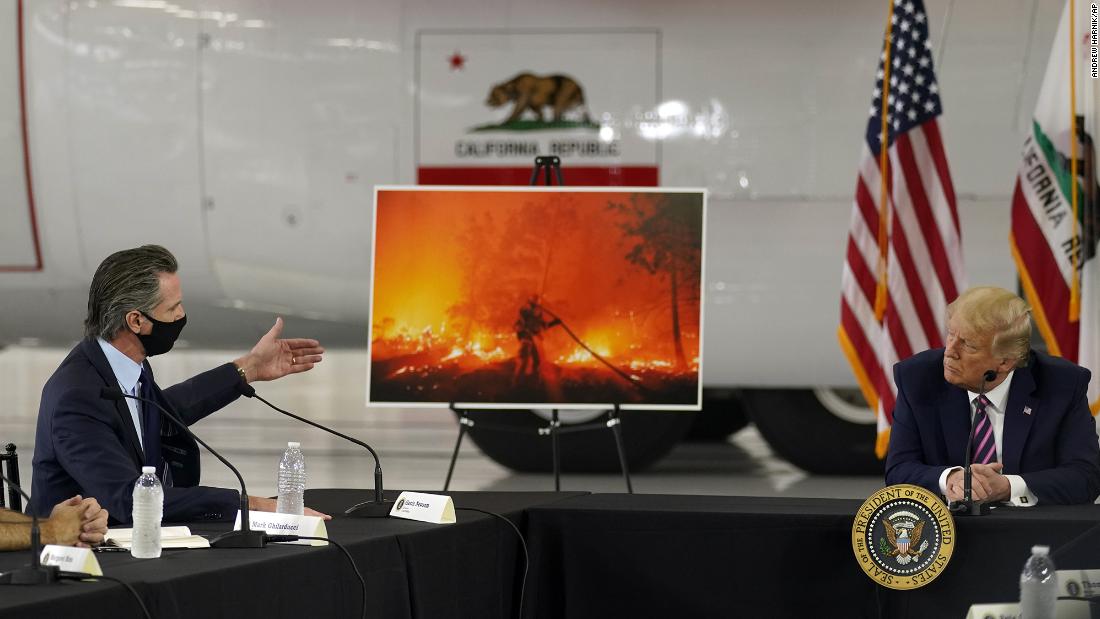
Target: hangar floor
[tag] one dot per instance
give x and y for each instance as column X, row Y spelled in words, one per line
column 415, row 444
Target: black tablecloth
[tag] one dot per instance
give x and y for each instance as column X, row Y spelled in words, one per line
column 605, row 556
column 700, row 556
column 417, row 570
column 991, row 551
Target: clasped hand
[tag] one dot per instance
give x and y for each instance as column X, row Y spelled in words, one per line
column 78, row 521
column 987, row 485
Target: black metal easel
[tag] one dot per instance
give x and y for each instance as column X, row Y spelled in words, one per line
column 547, row 164
column 613, row 423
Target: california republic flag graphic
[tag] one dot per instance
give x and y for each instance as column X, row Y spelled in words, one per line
column 488, row 102
column 1054, row 205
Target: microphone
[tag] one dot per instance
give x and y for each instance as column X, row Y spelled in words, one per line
column 35, row 573
column 967, row 506
column 378, row 507
column 244, row 538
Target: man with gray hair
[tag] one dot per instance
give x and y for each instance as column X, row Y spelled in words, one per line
column 89, row 445
column 1034, row 438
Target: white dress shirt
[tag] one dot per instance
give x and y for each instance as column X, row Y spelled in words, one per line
column 1019, row 495
column 128, row 375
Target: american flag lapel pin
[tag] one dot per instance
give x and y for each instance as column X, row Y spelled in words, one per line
column 1027, row 410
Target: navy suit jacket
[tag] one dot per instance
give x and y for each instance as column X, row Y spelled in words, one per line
column 87, row 445
column 1053, row 447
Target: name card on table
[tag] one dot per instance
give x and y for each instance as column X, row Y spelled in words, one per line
column 994, row 611
column 1078, row 584
column 71, row 559
column 433, row 508
column 1063, row 609
column 286, row 524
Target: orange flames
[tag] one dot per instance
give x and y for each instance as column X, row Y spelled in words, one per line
column 454, row 268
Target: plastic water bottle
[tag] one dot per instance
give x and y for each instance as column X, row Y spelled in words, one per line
column 1038, row 585
column 292, row 480
column 148, row 510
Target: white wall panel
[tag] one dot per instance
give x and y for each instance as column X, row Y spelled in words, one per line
column 132, row 75
column 302, row 105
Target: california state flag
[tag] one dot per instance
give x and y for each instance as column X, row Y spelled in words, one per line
column 1054, row 212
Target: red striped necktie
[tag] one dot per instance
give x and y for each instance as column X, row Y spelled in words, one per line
column 984, row 447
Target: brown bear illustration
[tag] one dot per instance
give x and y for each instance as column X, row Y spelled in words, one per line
column 531, row 92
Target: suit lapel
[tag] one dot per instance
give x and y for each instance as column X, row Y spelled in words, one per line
column 1017, row 424
column 954, row 413
column 99, row 361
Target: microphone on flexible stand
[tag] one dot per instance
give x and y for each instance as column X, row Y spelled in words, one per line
column 968, row 506
column 245, row 537
column 378, row 507
column 35, row 573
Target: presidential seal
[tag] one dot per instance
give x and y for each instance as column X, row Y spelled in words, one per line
column 903, row 537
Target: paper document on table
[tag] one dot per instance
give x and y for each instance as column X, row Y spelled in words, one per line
column 170, row 537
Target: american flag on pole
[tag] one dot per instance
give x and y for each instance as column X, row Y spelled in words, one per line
column 904, row 259
column 1055, row 234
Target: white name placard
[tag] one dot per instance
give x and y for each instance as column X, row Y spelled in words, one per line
column 71, row 559
column 286, row 524
column 1063, row 609
column 1078, row 583
column 1071, row 583
column 433, row 508
column 994, row 611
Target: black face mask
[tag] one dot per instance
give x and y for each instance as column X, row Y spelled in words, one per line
column 163, row 336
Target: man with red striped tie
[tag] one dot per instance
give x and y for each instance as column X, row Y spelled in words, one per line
column 1034, row 439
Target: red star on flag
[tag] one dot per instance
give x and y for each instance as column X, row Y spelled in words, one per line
column 458, row 61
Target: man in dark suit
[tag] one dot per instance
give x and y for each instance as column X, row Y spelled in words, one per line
column 1034, row 437
column 96, row 447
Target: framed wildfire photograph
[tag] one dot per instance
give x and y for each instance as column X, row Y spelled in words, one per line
column 529, row 297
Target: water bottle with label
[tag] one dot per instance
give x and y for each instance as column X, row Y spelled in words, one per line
column 148, row 510
column 1038, row 585
column 292, row 480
